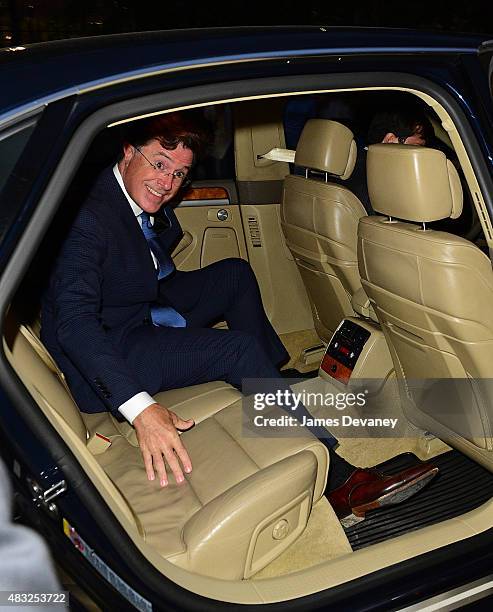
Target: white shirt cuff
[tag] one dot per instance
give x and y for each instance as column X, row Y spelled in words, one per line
column 135, row 405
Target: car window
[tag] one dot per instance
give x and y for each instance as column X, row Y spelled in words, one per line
column 218, row 162
column 12, row 143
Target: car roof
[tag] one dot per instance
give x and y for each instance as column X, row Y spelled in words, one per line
column 41, row 72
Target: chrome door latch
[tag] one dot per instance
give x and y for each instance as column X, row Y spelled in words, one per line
column 43, row 496
column 54, row 491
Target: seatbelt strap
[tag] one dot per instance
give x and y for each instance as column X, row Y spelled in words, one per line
column 97, row 443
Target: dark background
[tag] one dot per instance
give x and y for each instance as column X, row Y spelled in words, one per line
column 29, row 21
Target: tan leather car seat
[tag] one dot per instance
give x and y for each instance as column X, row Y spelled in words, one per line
column 320, row 222
column 248, row 498
column 433, row 294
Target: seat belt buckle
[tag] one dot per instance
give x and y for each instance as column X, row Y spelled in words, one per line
column 98, row 444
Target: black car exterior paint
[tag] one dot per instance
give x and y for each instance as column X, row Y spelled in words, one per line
column 256, row 62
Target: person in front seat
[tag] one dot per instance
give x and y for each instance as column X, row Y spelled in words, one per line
column 123, row 324
column 408, row 124
column 402, row 125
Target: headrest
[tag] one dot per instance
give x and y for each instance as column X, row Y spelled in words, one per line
column 328, row 146
column 413, row 183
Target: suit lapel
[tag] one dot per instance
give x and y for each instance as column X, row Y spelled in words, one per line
column 123, row 222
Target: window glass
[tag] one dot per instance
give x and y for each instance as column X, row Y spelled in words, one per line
column 12, row 144
column 218, row 163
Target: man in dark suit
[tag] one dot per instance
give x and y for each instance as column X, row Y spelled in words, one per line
column 112, row 285
column 123, row 324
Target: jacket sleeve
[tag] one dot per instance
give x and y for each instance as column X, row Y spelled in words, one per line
column 78, row 289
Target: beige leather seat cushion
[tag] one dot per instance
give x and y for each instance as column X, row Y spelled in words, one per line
column 233, row 471
column 199, row 402
column 248, row 497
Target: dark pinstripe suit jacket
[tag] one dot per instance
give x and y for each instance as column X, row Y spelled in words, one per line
column 100, row 289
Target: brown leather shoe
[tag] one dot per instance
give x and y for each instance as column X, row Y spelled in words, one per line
column 367, row 489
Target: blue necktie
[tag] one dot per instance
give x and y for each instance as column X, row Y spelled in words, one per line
column 165, row 316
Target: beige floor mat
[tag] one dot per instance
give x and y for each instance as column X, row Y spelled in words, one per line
column 368, row 447
column 295, row 343
column 372, row 450
column 365, row 452
column 323, row 540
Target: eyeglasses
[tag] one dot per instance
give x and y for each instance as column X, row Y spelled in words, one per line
column 178, row 175
column 404, row 139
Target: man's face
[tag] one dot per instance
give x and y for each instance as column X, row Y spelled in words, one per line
column 415, row 139
column 146, row 185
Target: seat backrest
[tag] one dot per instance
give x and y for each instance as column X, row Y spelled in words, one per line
column 40, row 374
column 433, row 294
column 319, row 219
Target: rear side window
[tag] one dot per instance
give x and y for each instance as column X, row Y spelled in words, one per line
column 12, row 143
column 218, row 162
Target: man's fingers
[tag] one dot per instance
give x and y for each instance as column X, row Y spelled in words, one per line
column 173, row 463
column 148, row 464
column 183, row 456
column 157, row 434
column 157, row 459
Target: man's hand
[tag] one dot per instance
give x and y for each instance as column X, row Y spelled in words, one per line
column 156, row 429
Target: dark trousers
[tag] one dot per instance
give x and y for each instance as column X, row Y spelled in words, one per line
column 225, row 290
column 167, row 358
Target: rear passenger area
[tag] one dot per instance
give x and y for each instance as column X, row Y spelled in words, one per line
column 247, row 500
column 253, row 510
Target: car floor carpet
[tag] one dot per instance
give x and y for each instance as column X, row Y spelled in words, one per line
column 322, row 540
column 461, row 485
column 295, row 343
column 292, row 373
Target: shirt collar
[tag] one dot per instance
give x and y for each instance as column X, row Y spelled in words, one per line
column 136, row 209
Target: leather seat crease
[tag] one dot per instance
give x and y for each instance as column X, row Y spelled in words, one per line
column 247, row 499
column 433, row 294
column 320, row 222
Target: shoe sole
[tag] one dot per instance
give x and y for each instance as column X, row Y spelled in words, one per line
column 395, row 497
